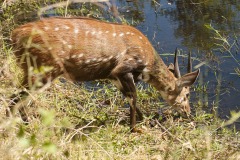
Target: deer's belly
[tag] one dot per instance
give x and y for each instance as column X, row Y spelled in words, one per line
column 89, row 71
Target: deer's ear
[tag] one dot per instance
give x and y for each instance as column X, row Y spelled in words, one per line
column 187, row 80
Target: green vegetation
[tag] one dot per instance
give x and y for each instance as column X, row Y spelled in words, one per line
column 90, row 121
column 224, row 45
column 93, row 126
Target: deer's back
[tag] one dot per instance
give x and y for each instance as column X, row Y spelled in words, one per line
column 82, row 46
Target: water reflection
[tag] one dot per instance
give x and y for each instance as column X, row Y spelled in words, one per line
column 191, row 16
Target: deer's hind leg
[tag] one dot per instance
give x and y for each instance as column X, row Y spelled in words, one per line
column 19, row 101
column 14, row 104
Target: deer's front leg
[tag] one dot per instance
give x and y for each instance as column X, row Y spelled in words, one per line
column 125, row 84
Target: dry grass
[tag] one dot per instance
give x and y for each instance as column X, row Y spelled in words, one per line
column 78, row 122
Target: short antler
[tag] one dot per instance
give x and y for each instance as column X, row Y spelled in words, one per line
column 176, row 66
column 189, row 62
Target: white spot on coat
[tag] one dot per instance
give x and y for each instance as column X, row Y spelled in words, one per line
column 114, row 34
column 87, row 61
column 76, row 31
column 80, row 55
column 109, row 58
column 130, row 59
column 122, row 34
column 64, row 42
column 45, row 28
column 86, row 32
column 123, row 52
column 79, row 62
column 70, row 46
column 66, row 27
column 105, row 59
column 56, row 29
column 74, row 56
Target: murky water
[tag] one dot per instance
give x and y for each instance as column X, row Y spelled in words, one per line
column 183, row 24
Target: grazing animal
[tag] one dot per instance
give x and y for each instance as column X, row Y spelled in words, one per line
column 84, row 49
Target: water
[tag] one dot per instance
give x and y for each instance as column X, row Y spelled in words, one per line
column 183, row 24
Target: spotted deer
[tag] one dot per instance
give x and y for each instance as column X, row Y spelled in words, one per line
column 84, row 49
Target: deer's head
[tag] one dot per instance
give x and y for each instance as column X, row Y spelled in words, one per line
column 178, row 96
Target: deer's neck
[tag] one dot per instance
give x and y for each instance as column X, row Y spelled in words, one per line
column 160, row 76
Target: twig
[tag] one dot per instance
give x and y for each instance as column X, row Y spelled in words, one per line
column 169, row 133
column 68, row 138
column 66, row 3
